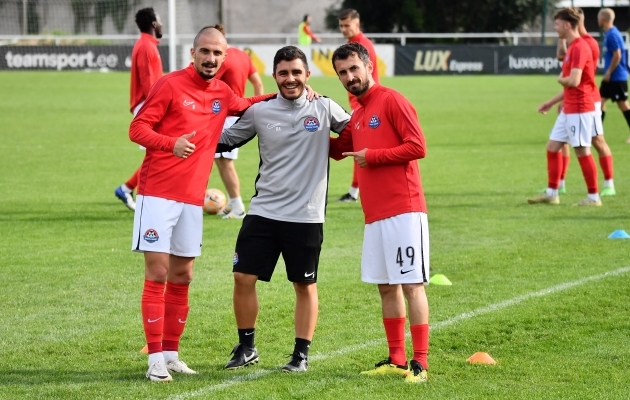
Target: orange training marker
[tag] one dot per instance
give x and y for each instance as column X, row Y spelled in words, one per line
column 481, row 358
column 145, row 349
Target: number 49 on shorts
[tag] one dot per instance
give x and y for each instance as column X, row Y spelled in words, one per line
column 404, row 256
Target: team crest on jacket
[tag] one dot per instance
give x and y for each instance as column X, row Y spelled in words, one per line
column 311, row 124
column 151, row 236
column 216, row 106
column 374, row 121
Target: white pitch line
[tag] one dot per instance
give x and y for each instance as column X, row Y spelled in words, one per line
column 434, row 326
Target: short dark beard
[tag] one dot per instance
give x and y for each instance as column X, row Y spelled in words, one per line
column 361, row 90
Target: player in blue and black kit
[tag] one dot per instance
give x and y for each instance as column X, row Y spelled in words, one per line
column 615, row 82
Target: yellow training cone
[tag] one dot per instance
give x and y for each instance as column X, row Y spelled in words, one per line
column 440, row 279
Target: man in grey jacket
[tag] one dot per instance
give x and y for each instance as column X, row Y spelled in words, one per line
column 286, row 214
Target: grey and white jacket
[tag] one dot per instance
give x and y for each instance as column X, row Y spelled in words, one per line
column 293, row 142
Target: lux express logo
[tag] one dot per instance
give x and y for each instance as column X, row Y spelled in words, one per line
column 439, row 60
column 60, row 61
column 535, row 63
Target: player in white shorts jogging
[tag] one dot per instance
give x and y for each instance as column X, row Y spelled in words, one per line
column 576, row 122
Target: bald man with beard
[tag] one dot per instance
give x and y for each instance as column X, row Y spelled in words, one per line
column 180, row 125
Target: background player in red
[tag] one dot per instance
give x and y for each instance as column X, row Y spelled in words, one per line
column 235, row 71
column 350, row 26
column 605, row 155
column 576, row 122
column 146, row 69
column 386, row 141
column 180, row 125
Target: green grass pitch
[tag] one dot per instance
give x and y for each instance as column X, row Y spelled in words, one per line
column 529, row 284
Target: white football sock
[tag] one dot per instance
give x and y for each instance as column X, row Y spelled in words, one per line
column 594, row 196
column 354, row 192
column 156, row 357
column 170, row 356
column 561, row 184
column 126, row 189
column 552, row 192
column 237, row 205
column 609, row 183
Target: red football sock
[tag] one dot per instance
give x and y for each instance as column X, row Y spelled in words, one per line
column 133, row 180
column 175, row 314
column 607, row 166
column 420, row 340
column 395, row 332
column 153, row 314
column 589, row 170
column 565, row 167
column 554, row 169
column 355, row 180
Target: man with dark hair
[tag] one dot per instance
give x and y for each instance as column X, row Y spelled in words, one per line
column 350, row 26
column 577, row 120
column 287, row 213
column 614, row 84
column 235, row 71
column 179, row 124
column 385, row 139
column 146, row 69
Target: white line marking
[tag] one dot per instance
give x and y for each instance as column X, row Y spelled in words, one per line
column 434, row 326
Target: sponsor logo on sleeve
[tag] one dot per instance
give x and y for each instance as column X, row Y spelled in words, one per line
column 235, row 259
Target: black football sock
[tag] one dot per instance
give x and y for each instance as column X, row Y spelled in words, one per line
column 626, row 115
column 302, row 346
column 603, row 115
column 246, row 336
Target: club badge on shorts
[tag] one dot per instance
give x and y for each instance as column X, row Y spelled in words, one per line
column 311, row 124
column 151, row 236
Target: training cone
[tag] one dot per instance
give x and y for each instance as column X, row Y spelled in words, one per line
column 619, row 234
column 481, row 358
column 145, row 350
column 439, row 279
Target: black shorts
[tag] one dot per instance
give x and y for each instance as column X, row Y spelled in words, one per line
column 616, row 91
column 261, row 241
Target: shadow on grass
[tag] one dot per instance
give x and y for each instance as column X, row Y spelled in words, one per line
column 212, row 374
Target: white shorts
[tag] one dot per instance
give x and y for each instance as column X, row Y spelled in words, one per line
column 599, row 124
column 167, row 226
column 396, row 250
column 574, row 129
column 232, row 155
column 135, row 112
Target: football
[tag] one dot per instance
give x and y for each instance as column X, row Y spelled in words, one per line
column 214, row 201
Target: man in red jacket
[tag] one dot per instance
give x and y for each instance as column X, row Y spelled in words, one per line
column 350, row 27
column 146, row 69
column 386, row 141
column 180, row 125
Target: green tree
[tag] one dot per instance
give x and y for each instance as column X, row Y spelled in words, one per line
column 441, row 16
column 118, row 9
column 81, row 10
